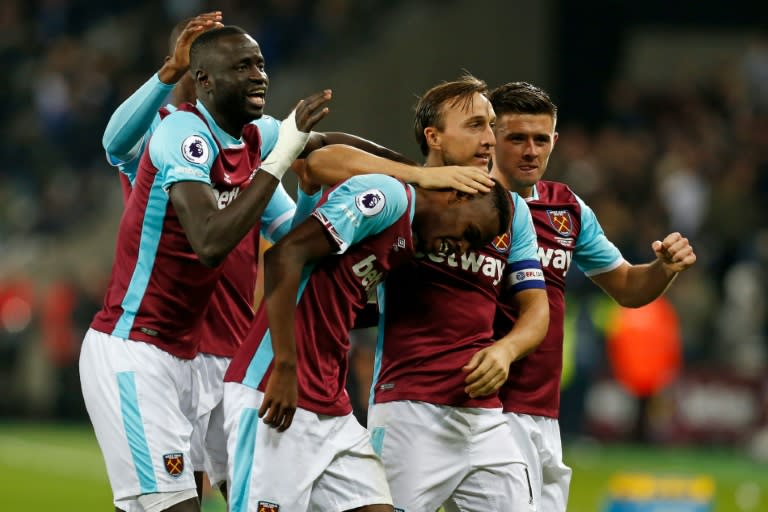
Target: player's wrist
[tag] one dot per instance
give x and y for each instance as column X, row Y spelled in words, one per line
column 170, row 74
column 290, row 144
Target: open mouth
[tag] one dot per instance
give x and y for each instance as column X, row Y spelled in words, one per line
column 257, row 97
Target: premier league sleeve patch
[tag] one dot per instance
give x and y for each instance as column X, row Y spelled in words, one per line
column 370, row 202
column 195, row 149
column 267, row 506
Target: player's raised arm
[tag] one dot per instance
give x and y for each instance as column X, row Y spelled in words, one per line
column 129, row 123
column 213, row 232
column 319, row 140
column 331, row 164
column 634, row 286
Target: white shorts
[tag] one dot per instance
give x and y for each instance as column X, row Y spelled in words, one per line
column 141, row 401
column 320, row 464
column 436, row 454
column 209, row 441
column 538, row 437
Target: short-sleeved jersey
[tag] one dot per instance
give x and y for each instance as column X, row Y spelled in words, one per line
column 567, row 232
column 230, row 311
column 369, row 219
column 437, row 311
column 159, row 289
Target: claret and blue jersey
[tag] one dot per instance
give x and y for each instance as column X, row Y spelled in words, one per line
column 159, row 290
column 568, row 232
column 438, row 311
column 369, row 218
column 230, row 309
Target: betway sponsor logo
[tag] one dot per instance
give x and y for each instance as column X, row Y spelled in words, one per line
column 224, row 198
column 556, row 258
column 473, row 262
column 369, row 275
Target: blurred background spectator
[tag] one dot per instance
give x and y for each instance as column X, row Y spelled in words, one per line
column 663, row 126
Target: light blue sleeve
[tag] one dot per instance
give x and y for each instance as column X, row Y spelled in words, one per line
column 127, row 128
column 182, row 149
column 362, row 206
column 594, row 253
column 268, row 129
column 131, row 167
column 277, row 216
column 304, row 205
column 523, row 266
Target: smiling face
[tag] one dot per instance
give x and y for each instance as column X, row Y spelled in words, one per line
column 463, row 134
column 525, row 134
column 232, row 81
column 524, row 144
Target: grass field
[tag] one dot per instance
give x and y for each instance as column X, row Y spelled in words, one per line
column 45, row 468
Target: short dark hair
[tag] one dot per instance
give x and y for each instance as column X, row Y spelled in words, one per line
column 522, row 98
column 429, row 107
column 208, row 40
column 503, row 203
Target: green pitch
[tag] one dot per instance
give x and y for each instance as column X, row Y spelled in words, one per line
column 60, row 468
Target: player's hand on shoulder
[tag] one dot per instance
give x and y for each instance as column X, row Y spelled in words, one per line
column 674, row 252
column 470, row 180
column 487, row 370
column 312, row 109
column 280, row 398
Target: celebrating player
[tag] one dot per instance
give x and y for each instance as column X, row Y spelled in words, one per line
column 325, row 460
column 438, row 367
column 137, row 373
column 567, row 231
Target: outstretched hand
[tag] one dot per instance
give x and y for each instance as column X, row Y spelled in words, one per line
column 311, row 110
column 674, row 252
column 488, row 370
column 470, row 180
column 178, row 63
column 280, row 398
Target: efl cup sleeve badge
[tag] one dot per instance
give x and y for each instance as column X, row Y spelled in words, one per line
column 370, row 202
column 174, row 463
column 266, row 506
column 195, row 149
column 561, row 221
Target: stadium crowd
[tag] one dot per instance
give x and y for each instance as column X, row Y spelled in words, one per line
column 691, row 156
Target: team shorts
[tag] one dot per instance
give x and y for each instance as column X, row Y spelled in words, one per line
column 142, row 402
column 538, row 438
column 320, row 464
column 209, row 441
column 457, row 456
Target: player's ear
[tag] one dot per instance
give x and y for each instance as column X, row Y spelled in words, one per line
column 201, row 78
column 432, row 136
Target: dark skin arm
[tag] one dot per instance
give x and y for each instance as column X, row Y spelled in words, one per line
column 319, row 140
column 212, row 232
column 283, row 264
